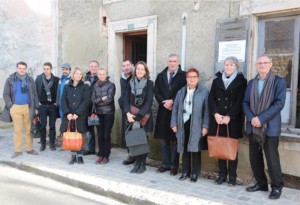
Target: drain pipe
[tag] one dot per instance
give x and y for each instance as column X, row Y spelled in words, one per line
column 183, row 41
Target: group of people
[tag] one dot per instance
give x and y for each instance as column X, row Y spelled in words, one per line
column 187, row 113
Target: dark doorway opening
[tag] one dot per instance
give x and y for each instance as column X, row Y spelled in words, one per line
column 135, row 46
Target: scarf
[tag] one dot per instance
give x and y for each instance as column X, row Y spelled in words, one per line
column 188, row 104
column 259, row 104
column 24, row 79
column 226, row 80
column 137, row 87
column 47, row 86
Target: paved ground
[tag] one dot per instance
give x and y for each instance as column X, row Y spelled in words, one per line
column 115, row 181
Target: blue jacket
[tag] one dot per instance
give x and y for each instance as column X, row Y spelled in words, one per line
column 271, row 116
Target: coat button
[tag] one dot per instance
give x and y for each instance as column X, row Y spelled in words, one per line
column 225, row 98
column 74, row 94
column 219, row 99
column 225, row 107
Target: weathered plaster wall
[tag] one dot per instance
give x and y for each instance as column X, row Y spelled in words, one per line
column 27, row 33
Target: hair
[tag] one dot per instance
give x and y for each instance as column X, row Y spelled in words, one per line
column 21, row 63
column 127, row 60
column 48, row 64
column 93, row 61
column 76, row 69
column 173, row 55
column 232, row 59
column 192, row 70
column 147, row 75
column 264, row 55
column 102, row 68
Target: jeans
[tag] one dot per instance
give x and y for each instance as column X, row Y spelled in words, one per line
column 103, row 131
column 21, row 118
column 169, row 154
column 48, row 111
column 91, row 139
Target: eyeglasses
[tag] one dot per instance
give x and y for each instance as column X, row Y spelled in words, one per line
column 193, row 77
column 263, row 63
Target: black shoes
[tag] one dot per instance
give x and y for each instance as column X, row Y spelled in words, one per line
column 80, row 160
column 73, row 160
column 87, row 152
column 275, row 194
column 162, row 169
column 135, row 168
column 257, row 187
column 129, row 160
column 42, row 148
column 52, row 147
column 142, row 168
column 184, row 176
column 231, row 182
column 194, row 177
column 173, row 171
column 220, row 180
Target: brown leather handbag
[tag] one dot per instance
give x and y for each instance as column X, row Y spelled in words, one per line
column 134, row 110
column 72, row 140
column 222, row 147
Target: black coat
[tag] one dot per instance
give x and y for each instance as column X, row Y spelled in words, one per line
column 227, row 102
column 163, row 119
column 145, row 107
column 41, row 89
column 123, row 84
column 75, row 100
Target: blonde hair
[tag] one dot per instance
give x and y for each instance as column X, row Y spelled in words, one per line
column 76, row 69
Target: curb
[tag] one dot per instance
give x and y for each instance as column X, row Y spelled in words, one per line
column 79, row 184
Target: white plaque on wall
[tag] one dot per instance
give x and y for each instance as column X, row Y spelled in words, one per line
column 232, row 48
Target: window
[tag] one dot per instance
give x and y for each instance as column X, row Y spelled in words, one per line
column 279, row 39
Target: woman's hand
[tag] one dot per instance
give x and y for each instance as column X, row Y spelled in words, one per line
column 218, row 118
column 130, row 117
column 204, row 131
column 70, row 116
column 75, row 117
column 174, row 129
column 226, row 120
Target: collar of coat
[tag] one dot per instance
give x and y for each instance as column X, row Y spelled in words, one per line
column 179, row 71
column 234, row 84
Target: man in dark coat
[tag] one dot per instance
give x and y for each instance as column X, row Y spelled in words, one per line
column 167, row 84
column 91, row 79
column 46, row 85
column 264, row 99
column 127, row 68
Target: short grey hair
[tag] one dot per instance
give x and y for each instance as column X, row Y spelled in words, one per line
column 232, row 59
column 173, row 55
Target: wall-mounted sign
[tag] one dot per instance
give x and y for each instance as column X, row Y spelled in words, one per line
column 232, row 48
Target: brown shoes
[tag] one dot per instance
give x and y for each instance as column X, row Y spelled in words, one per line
column 16, row 154
column 129, row 160
column 162, row 169
column 32, row 152
column 174, row 172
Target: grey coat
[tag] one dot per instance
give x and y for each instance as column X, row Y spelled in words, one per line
column 199, row 118
column 8, row 96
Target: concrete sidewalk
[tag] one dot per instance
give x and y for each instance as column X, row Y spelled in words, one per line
column 114, row 180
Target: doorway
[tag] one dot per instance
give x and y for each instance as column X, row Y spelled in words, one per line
column 135, row 46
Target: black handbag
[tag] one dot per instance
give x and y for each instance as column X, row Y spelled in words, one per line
column 136, row 141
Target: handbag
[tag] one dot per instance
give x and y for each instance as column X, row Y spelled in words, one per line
column 134, row 110
column 136, row 141
column 93, row 119
column 36, row 127
column 72, row 140
column 222, row 147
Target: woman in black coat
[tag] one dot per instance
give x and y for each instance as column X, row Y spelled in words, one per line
column 103, row 99
column 75, row 104
column 225, row 103
column 140, row 95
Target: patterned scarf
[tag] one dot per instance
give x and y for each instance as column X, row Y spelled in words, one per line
column 47, row 86
column 24, row 84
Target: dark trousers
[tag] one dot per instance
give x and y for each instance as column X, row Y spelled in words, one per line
column 229, row 169
column 270, row 149
column 91, row 139
column 103, row 131
column 191, row 161
column 169, row 154
column 48, row 111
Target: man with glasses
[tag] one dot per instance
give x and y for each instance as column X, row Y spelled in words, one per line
column 167, row 84
column 46, row 84
column 263, row 102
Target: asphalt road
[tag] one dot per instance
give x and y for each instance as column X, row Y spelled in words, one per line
column 22, row 188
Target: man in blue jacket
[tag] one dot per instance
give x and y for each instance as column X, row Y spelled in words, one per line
column 264, row 99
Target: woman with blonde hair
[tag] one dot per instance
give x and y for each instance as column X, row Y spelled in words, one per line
column 75, row 103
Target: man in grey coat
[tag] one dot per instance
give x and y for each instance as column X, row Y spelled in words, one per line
column 21, row 104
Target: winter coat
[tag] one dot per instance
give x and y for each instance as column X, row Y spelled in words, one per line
column 75, row 100
column 106, row 89
column 227, row 102
column 91, row 82
column 58, row 89
column 40, row 86
column 144, row 108
column 199, row 118
column 123, row 84
column 8, row 96
column 271, row 116
column 162, row 125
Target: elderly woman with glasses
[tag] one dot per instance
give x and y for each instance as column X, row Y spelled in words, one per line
column 190, row 118
column 225, row 103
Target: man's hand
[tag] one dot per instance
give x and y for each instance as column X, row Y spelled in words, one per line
column 168, row 104
column 36, row 111
column 204, row 131
column 256, row 122
column 174, row 129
